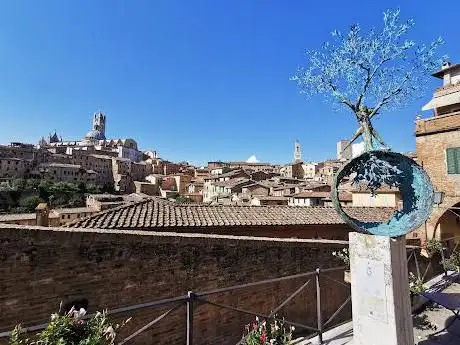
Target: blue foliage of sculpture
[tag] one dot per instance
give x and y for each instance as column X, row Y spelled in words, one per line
column 369, row 73
column 377, row 168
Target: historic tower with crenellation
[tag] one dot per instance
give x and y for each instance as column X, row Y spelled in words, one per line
column 297, row 152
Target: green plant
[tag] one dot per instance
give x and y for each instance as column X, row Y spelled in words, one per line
column 433, row 246
column 343, row 255
column 416, row 285
column 182, row 199
column 29, row 203
column 71, row 328
column 273, row 332
column 452, row 263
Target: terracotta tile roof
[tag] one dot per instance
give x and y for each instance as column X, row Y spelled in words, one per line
column 232, row 183
column 256, row 185
column 308, row 194
column 160, row 214
column 343, row 196
column 271, row 197
column 362, row 188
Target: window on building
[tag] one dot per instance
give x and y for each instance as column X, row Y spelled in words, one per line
column 453, row 160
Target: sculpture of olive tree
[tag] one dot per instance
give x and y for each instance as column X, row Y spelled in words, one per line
column 370, row 72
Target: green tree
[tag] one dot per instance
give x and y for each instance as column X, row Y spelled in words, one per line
column 29, row 203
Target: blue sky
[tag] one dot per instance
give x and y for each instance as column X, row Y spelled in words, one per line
column 197, row 80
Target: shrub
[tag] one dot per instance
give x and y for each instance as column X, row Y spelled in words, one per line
column 273, row 332
column 29, row 203
column 433, row 246
column 71, row 329
column 416, row 285
column 452, row 263
column 343, row 255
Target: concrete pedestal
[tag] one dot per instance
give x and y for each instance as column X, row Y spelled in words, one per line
column 380, row 291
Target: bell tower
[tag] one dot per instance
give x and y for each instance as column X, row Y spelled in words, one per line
column 99, row 123
column 297, row 152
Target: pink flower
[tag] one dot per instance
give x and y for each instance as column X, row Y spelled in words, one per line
column 263, row 337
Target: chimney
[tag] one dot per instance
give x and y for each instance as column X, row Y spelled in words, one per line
column 42, row 214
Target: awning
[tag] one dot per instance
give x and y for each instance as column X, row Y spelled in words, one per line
column 442, row 101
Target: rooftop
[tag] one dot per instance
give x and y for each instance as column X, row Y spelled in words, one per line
column 159, row 213
column 17, row 216
column 440, row 74
column 74, row 210
column 232, row 182
column 60, row 165
column 308, row 194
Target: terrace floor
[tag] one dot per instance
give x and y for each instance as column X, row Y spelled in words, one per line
column 427, row 322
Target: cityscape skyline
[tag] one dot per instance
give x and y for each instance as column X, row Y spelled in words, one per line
column 171, row 92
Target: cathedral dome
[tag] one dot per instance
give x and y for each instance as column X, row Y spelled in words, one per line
column 94, row 135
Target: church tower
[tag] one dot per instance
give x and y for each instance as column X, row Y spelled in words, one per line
column 98, row 131
column 99, row 123
column 297, row 152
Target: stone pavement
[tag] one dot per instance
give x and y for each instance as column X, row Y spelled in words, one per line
column 435, row 318
column 430, row 320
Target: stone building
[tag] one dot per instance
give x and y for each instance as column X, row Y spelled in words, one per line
column 438, row 151
column 95, row 140
column 311, row 169
column 308, row 198
column 66, row 172
column 250, row 166
column 14, row 167
column 327, row 171
column 44, row 216
column 111, row 163
column 384, row 197
column 344, row 150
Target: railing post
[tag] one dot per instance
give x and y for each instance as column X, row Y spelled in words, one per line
column 190, row 318
column 318, row 307
column 443, row 261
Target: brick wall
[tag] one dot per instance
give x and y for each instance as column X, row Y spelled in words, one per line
column 437, row 124
column 43, row 266
column 431, row 154
column 433, row 137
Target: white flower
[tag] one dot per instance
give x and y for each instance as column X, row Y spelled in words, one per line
column 292, row 328
column 109, row 332
column 257, row 319
column 334, row 253
column 79, row 314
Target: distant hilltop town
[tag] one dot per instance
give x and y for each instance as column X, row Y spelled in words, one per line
column 109, row 172
column 117, row 164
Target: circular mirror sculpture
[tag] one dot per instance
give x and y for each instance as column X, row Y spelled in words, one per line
column 378, row 168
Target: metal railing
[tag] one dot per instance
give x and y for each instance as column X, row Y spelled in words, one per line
column 194, row 299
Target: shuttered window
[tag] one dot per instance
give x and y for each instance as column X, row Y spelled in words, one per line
column 453, row 160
